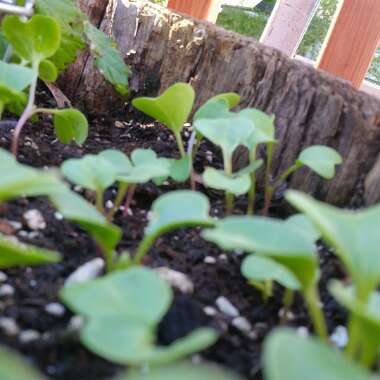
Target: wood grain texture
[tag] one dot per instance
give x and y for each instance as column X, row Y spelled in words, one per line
column 311, row 107
column 352, row 40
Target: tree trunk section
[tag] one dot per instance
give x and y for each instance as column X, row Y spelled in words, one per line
column 311, row 107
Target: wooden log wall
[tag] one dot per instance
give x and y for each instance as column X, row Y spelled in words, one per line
column 311, row 107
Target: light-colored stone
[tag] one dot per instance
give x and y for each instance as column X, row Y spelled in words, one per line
column 28, row 336
column 9, row 326
column 209, row 260
column 210, row 311
column 226, row 307
column 176, row 279
column 242, row 324
column 34, row 220
column 6, row 290
column 339, row 337
column 86, row 272
column 56, row 309
column 3, row 276
column 76, row 323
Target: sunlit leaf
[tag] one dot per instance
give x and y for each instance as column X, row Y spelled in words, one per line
column 48, row 71
column 70, row 124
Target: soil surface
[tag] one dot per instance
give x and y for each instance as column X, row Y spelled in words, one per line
column 55, row 350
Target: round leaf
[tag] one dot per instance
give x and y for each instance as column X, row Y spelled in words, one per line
column 70, row 124
column 305, row 225
column 321, row 159
column 48, row 71
column 118, row 159
column 15, row 77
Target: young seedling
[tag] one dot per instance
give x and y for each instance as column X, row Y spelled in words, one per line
column 183, row 371
column 367, row 316
column 171, row 211
column 227, row 133
column 34, row 42
column 281, row 242
column 322, row 160
column 355, row 239
column 124, row 331
column 288, row 356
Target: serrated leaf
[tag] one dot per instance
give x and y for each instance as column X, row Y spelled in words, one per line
column 321, row 159
column 288, row 356
column 33, row 40
column 217, row 179
column 92, row 172
column 70, row 124
column 353, row 234
column 260, row 268
column 108, row 58
column 14, row 254
column 178, row 209
column 182, row 371
column 14, row 367
column 172, row 108
column 48, row 71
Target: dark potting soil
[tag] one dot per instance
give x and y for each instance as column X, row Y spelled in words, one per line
column 56, row 351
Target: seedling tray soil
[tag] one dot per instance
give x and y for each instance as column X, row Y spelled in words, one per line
column 214, row 273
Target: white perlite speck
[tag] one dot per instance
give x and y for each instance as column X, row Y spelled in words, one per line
column 76, row 323
column 9, row 326
column 34, row 220
column 6, row 290
column 86, row 272
column 226, row 307
column 55, row 309
column 210, row 311
column 176, row 279
column 209, row 260
column 339, row 337
column 28, row 336
column 3, row 277
column 302, row 331
column 242, row 324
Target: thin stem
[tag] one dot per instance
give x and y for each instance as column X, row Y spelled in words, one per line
column 312, row 302
column 122, row 190
column 143, row 248
column 287, row 301
column 252, row 189
column 178, row 138
column 229, row 196
column 128, row 202
column 100, row 201
column 268, row 172
column 28, row 111
column 368, row 354
column 108, row 255
column 268, row 290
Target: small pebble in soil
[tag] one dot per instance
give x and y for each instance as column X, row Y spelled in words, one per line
column 76, row 323
column 289, row 315
column 15, row 225
column 303, row 331
column 86, row 272
column 9, row 326
column 210, row 311
column 223, row 257
column 209, row 260
column 28, row 336
column 242, row 324
column 78, row 188
column 109, row 204
column 226, row 307
column 55, row 309
column 6, row 290
column 176, row 279
column 34, row 220
column 339, row 337
column 58, row 215
column 3, row 276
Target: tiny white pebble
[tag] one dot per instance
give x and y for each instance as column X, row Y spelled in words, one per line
column 6, row 290
column 86, row 272
column 55, row 309
column 76, row 322
column 28, row 336
column 176, row 279
column 242, row 324
column 130, row 212
column 15, row 225
column 109, row 204
column 339, row 337
column 58, row 215
column 223, row 257
column 289, row 315
column 3, row 276
column 9, row 326
column 209, row 260
column 302, row 331
column 226, row 307
column 78, row 188
column 209, row 310
column 34, row 219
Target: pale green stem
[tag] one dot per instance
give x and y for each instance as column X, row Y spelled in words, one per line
column 100, row 201
column 121, row 192
column 287, row 301
column 178, row 138
column 228, row 170
column 143, row 248
column 368, row 354
column 268, row 172
column 252, row 189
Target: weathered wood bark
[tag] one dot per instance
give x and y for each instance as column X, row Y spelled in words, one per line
column 311, row 107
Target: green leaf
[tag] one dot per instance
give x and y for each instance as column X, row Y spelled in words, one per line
column 48, row 71
column 180, row 169
column 268, row 237
column 14, row 254
column 260, row 268
column 71, row 21
column 108, row 59
column 118, row 159
column 74, row 208
column 181, row 371
column 288, row 356
column 217, row 179
column 70, row 124
column 305, row 225
column 18, row 180
column 124, row 331
column 321, row 159
column 217, row 106
column 33, row 40
column 14, row 367
column 15, row 77
column 353, row 234
column 251, row 168
column 91, row 172
column 227, row 133
column 146, row 166
column 263, row 132
column 178, row 209
column 172, row 108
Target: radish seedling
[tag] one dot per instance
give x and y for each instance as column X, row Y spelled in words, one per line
column 124, row 331
column 34, row 42
column 281, row 242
